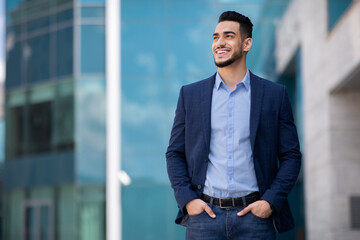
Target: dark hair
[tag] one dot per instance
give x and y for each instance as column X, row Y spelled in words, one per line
column 245, row 23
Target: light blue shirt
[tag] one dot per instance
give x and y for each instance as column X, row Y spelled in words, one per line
column 230, row 171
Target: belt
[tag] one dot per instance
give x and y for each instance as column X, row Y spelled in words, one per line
column 232, row 202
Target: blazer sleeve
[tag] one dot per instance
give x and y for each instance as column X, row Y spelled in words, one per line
column 289, row 156
column 176, row 158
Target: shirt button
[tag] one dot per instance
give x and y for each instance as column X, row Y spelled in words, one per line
column 199, row 186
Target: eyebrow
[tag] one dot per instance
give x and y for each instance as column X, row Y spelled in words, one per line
column 225, row 32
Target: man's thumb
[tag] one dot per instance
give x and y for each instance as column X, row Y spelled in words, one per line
column 244, row 211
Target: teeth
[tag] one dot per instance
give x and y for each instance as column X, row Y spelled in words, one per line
column 221, row 52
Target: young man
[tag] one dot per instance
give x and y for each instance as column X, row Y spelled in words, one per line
column 233, row 155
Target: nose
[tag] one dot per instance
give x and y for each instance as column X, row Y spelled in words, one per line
column 220, row 42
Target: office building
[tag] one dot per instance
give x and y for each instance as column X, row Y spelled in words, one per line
column 318, row 53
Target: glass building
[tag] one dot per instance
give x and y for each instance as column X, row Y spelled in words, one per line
column 55, row 163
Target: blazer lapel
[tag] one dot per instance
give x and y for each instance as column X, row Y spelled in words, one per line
column 255, row 108
column 206, row 97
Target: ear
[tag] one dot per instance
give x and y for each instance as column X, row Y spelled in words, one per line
column 247, row 44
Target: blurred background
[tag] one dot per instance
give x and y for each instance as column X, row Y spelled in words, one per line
column 53, row 110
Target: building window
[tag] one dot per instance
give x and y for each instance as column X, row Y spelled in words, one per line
column 13, row 62
column 93, row 48
column 40, row 120
column 15, row 135
column 64, row 52
column 40, row 127
column 38, row 224
column 37, row 53
column 39, row 46
column 336, row 9
column 64, row 123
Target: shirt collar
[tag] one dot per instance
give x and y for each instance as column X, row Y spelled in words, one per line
column 245, row 81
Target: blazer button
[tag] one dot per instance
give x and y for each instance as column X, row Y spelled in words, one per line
column 199, row 186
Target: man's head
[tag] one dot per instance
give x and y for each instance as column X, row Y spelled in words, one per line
column 245, row 24
column 232, row 37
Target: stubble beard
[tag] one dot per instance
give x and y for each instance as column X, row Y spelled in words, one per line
column 230, row 61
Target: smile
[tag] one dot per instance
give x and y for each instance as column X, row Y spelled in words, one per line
column 222, row 52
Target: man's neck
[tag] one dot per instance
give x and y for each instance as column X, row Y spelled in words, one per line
column 233, row 74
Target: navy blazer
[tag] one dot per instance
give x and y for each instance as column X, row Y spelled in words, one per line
column 273, row 137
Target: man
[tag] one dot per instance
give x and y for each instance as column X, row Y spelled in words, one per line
column 233, row 155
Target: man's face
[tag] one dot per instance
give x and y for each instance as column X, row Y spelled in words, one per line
column 227, row 43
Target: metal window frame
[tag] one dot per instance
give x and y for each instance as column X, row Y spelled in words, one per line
column 37, row 204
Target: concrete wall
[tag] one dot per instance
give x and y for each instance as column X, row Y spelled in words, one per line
column 331, row 106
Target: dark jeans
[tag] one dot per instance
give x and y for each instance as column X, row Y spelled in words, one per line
column 227, row 225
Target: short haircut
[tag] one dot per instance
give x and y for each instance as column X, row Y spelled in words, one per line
column 246, row 26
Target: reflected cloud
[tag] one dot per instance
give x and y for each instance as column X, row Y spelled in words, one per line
column 137, row 114
column 91, row 130
column 91, row 115
column 193, row 69
column 149, row 120
column 195, row 35
column 171, row 62
column 26, row 51
column 148, row 61
column 10, row 41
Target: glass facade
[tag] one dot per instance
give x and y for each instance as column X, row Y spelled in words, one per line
column 54, row 178
column 39, row 41
column 54, row 170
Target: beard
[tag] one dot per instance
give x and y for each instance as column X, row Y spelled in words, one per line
column 238, row 55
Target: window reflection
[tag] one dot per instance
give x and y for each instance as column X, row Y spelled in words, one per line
column 40, row 120
column 63, row 2
column 64, row 52
column 39, row 23
column 14, row 65
column 40, row 127
column 30, row 223
column 64, row 123
column 64, row 16
column 93, row 12
column 93, row 49
column 44, row 223
column 38, row 220
column 35, row 7
column 39, row 46
column 37, row 52
column 15, row 131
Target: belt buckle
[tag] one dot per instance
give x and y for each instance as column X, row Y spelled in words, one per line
column 232, row 200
